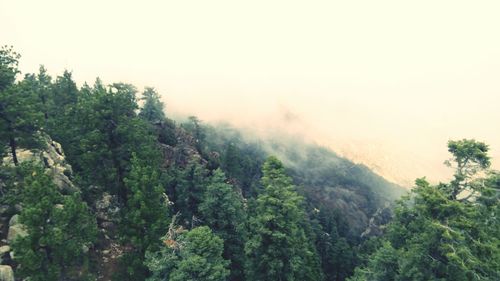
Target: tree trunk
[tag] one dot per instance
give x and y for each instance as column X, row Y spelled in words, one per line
column 12, row 143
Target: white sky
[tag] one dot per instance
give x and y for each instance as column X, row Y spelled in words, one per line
column 387, row 83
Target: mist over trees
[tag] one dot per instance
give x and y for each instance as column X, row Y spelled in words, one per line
column 98, row 183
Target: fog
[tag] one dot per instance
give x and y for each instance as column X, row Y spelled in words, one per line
column 384, row 83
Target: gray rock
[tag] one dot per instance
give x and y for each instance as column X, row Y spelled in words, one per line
column 85, row 249
column 4, row 249
column 107, row 208
column 53, row 159
column 15, row 231
column 104, row 202
column 62, row 181
column 14, row 220
column 6, row 273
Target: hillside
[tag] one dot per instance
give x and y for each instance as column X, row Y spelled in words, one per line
column 327, row 180
column 98, row 183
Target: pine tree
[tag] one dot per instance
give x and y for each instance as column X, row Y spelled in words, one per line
column 20, row 118
column 189, row 191
column 336, row 254
column 65, row 91
column 152, row 110
column 145, row 216
column 61, row 104
column 191, row 256
column 223, row 211
column 439, row 235
column 104, row 134
column 278, row 248
column 59, row 228
column 44, row 92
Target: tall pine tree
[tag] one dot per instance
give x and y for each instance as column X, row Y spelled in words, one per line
column 278, row 248
column 59, row 228
column 223, row 211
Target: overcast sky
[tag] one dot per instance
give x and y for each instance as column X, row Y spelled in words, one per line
column 387, row 83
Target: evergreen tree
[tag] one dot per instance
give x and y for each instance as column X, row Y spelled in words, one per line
column 278, row 248
column 188, row 192
column 152, row 110
column 145, row 216
column 9, row 61
column 105, row 133
column 438, row 235
column 197, row 130
column 19, row 115
column 223, row 211
column 61, row 106
column 191, row 256
column 59, row 228
column 232, row 162
column 337, row 256
column 44, row 92
column 65, row 91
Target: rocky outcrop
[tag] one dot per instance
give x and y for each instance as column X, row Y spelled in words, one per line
column 109, row 249
column 6, row 273
column 53, row 159
column 16, row 229
column 184, row 152
column 107, row 213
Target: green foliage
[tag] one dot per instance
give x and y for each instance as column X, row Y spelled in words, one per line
column 437, row 236
column 240, row 159
column 64, row 91
column 192, row 256
column 145, row 216
column 188, row 192
column 223, row 211
column 9, row 61
column 59, row 228
column 61, row 107
column 337, row 256
column 469, row 157
column 152, row 110
column 103, row 135
column 44, row 92
column 19, row 115
column 197, row 130
column 278, row 248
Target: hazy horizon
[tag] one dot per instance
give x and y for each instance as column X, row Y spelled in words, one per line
column 384, row 83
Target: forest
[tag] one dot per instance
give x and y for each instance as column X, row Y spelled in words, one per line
column 98, row 183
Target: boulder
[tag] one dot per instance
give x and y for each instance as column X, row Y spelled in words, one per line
column 54, row 161
column 14, row 220
column 18, row 230
column 6, row 273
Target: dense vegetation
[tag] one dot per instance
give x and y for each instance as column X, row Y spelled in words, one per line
column 147, row 198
